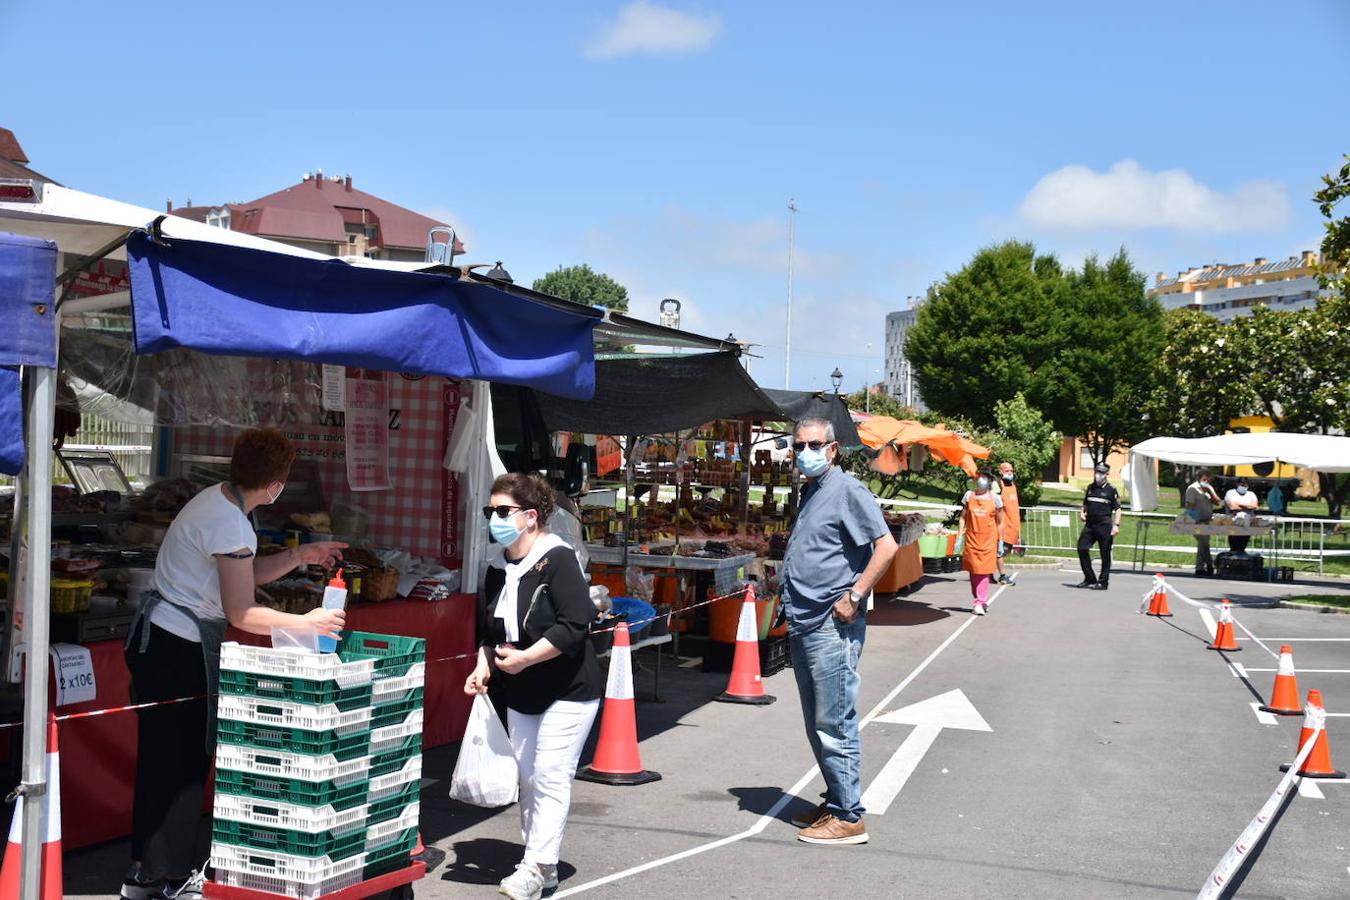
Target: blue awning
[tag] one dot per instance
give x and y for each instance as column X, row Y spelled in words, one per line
column 238, row 301
column 28, row 316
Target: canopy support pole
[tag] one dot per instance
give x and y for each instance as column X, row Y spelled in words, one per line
column 74, row 269
column 36, row 606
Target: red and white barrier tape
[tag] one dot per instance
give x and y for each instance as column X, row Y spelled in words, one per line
column 444, row 659
column 1213, row 607
column 1215, row 885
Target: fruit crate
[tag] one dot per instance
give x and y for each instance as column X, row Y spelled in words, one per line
column 289, row 765
column 275, row 814
column 392, row 804
column 342, row 744
column 382, row 784
column 393, row 689
column 393, row 655
column 377, row 836
column 334, row 845
column 284, row 887
column 285, row 867
column 294, row 662
column 391, row 856
column 294, row 690
column 323, row 717
column 395, row 758
column 398, row 711
column 341, row 794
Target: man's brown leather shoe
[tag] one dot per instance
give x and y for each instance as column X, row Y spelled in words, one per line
column 831, row 830
column 811, row 816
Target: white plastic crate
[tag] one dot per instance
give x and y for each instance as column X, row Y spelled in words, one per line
column 302, row 870
column 293, row 715
column 309, row 819
column 289, row 765
column 294, row 662
column 286, row 888
column 385, row 831
column 392, row 737
column 386, row 689
column 383, row 785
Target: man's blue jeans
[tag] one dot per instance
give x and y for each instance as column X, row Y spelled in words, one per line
column 826, row 665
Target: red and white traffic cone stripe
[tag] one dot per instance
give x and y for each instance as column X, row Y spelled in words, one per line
column 1224, row 636
column 617, row 760
column 52, row 881
column 746, row 685
column 1284, row 696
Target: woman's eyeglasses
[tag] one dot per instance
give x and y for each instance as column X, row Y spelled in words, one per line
column 502, row 511
column 799, row 446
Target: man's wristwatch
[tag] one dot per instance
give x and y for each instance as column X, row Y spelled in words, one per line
column 855, row 597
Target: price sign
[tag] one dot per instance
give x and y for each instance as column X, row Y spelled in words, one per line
column 73, row 669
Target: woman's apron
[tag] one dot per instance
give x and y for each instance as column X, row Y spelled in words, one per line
column 212, row 633
column 981, row 548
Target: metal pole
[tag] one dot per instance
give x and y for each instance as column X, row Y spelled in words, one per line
column 37, row 627
column 787, row 353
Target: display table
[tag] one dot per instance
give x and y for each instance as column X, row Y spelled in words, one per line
column 98, row 754
column 613, row 556
column 906, row 568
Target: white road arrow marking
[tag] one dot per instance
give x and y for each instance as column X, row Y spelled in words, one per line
column 929, row 717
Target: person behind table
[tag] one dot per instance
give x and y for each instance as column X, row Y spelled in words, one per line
column 1010, row 528
column 840, row 545
column 535, row 656
column 1200, row 500
column 205, row 577
column 1100, row 515
column 981, row 525
column 1238, row 500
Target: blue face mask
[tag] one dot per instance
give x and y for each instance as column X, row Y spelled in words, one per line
column 504, row 531
column 813, row 463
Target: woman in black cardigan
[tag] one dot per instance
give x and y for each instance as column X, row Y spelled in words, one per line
column 535, row 658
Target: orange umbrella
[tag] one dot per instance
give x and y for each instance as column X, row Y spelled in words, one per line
column 879, row 431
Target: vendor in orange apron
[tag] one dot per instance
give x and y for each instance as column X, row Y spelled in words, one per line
column 1010, row 531
column 980, row 523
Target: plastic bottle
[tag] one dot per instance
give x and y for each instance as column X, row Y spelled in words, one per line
column 334, row 597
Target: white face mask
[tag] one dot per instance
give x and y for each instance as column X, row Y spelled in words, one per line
column 1101, row 478
column 272, row 498
column 1241, row 489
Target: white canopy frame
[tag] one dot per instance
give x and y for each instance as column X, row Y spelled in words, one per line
column 1319, row 452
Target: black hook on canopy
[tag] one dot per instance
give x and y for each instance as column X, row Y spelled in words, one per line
column 157, row 231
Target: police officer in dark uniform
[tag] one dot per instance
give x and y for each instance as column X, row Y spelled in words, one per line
column 1101, row 517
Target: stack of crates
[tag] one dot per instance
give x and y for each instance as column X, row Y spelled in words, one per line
column 318, row 764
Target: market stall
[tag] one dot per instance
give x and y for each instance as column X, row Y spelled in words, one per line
column 194, row 290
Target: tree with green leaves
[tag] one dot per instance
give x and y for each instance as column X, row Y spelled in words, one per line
column 1026, row 440
column 581, row 284
column 1078, row 345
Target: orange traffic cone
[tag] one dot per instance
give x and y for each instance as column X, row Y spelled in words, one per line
column 1224, row 639
column 617, row 760
column 52, row 885
column 1158, row 607
column 1318, row 764
column 1284, row 696
column 745, row 684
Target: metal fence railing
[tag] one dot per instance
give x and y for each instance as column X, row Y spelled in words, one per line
column 1303, row 543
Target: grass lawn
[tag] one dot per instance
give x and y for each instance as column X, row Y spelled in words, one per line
column 1341, row 601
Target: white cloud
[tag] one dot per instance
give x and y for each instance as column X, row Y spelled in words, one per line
column 649, row 28
column 1130, row 196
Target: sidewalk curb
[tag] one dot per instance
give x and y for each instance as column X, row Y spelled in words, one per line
column 1313, row 607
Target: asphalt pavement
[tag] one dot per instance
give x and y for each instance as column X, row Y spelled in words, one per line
column 1062, row 746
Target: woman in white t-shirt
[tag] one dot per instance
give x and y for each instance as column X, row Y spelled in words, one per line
column 204, row 582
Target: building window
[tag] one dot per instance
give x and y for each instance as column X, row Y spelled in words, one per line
column 1085, row 459
column 218, row 218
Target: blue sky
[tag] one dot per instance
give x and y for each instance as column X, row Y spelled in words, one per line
column 660, row 142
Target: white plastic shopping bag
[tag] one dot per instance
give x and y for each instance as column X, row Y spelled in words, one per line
column 486, row 773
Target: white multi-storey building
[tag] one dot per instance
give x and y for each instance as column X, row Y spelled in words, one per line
column 900, row 382
column 1228, row 291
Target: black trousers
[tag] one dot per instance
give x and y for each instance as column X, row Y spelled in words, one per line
column 1238, row 542
column 1095, row 533
column 171, row 760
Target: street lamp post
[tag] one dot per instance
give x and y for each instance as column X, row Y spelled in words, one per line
column 787, row 353
column 836, row 379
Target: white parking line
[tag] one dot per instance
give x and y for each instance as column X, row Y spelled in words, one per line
column 1301, row 640
column 1302, row 670
column 772, row 815
column 1262, row 716
column 1210, row 625
column 1308, row 788
column 1239, row 670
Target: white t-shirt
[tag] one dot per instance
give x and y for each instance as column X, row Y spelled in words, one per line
column 1234, row 500
column 186, row 573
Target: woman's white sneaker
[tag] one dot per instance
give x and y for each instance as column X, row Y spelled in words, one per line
column 525, row 883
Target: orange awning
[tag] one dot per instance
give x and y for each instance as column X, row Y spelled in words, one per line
column 879, row 431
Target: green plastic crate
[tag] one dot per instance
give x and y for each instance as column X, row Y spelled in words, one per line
column 294, row 690
column 297, row 843
column 393, row 654
column 339, row 795
column 397, row 712
column 394, row 760
column 294, row 740
column 388, row 808
column 392, row 856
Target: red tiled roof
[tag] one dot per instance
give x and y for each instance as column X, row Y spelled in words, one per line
column 9, row 147
column 319, row 210
column 195, row 213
